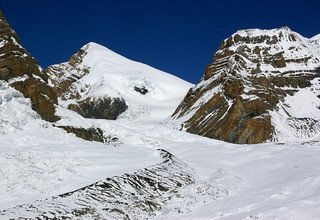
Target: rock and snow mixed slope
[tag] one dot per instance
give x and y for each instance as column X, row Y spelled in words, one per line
column 262, row 85
column 99, row 83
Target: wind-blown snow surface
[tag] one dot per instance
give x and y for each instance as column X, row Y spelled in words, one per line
column 267, row 181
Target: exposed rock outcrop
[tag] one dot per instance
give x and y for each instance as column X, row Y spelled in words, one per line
column 141, row 90
column 91, row 134
column 15, row 61
column 61, row 76
column 20, row 69
column 100, row 108
column 253, row 74
column 41, row 95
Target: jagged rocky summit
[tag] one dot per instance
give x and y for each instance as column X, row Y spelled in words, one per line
column 21, row 70
column 261, row 85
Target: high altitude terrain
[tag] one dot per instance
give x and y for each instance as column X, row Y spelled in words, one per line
column 261, row 85
column 138, row 166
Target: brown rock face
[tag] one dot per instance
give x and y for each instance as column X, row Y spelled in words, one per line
column 16, row 62
column 243, row 122
column 42, row 97
column 101, row 108
column 91, row 134
column 250, row 76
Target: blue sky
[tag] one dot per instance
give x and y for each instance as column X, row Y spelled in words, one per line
column 178, row 37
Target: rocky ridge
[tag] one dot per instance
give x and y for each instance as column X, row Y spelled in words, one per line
column 246, row 93
column 22, row 71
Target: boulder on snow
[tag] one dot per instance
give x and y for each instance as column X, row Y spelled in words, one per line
column 100, row 108
column 91, row 134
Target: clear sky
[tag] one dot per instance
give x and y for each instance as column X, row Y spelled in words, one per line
column 178, row 37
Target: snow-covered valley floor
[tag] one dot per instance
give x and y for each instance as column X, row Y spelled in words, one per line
column 266, row 181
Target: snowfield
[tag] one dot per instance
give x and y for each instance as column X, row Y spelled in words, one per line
column 266, row 181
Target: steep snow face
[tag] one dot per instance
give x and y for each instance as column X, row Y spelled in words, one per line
column 256, row 75
column 96, row 72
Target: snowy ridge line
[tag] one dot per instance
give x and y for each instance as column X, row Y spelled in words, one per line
column 130, row 196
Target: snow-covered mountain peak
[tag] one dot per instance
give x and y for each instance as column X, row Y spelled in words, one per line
column 96, row 73
column 286, row 51
column 95, row 53
column 93, row 45
column 264, row 37
column 253, row 32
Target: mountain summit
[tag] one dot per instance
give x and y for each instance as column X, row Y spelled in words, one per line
column 261, row 85
column 99, row 83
